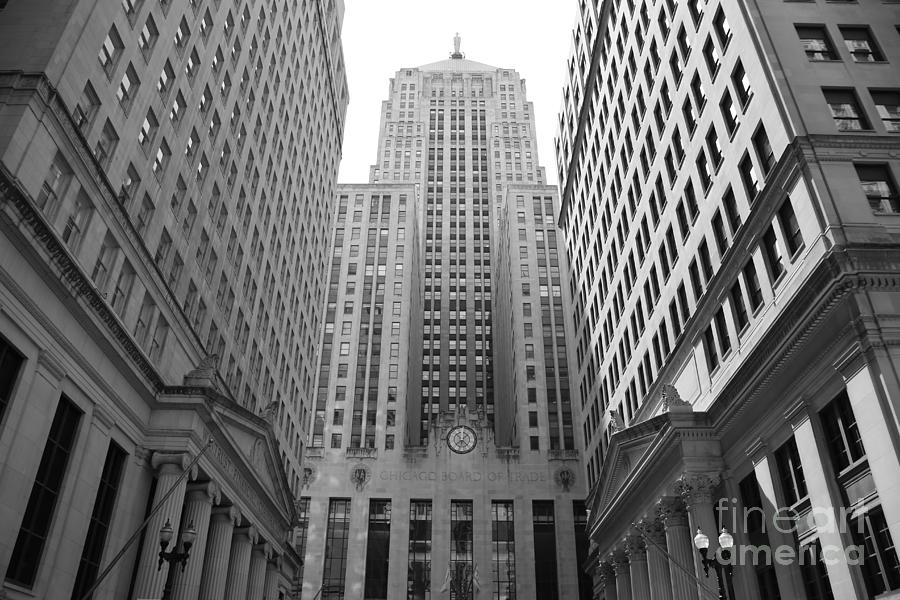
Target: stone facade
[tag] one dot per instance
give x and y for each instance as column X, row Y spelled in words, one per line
column 729, row 198
column 167, row 170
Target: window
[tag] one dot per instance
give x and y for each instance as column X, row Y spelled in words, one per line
column 845, row 109
column 751, row 281
column 712, row 57
column 337, row 536
column 503, row 550
column 10, row 362
column 378, row 550
column 48, row 482
column 148, row 130
column 77, row 221
column 106, row 144
column 861, row 44
column 816, row 43
column 738, row 308
column 461, row 543
column 709, row 347
column 749, row 177
column 87, row 107
column 544, row 524
column 879, row 187
column 418, row 582
column 54, row 186
column 148, row 37
column 880, row 565
column 101, row 518
column 741, row 84
column 790, row 227
column 772, row 254
column 729, row 113
column 723, row 29
column 790, row 472
column 842, row 435
column 887, row 104
column 764, row 151
column 110, row 51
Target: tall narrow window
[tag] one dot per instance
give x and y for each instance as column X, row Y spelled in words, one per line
column 773, row 255
column 880, row 565
column 101, row 517
column 10, row 361
column 35, row 527
column 790, row 471
column 418, row 582
column 378, row 549
column 503, row 550
column 461, row 550
column 303, row 528
column 337, row 535
column 545, row 571
column 582, row 543
column 842, row 434
column 754, row 290
column 790, row 227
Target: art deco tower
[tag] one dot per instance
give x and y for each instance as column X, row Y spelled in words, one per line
column 442, row 443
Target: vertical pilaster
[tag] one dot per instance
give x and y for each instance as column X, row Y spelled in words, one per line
column 680, row 546
column 654, row 533
column 198, row 505
column 218, row 552
column 169, row 467
column 623, row 576
column 256, row 582
column 239, row 563
column 827, row 504
column 637, row 567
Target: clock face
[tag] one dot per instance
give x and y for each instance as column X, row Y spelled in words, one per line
column 461, row 439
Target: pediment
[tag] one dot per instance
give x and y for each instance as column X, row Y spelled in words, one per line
column 628, row 449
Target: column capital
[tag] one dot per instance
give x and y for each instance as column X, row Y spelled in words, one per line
column 180, row 460
column 264, row 548
column 757, row 450
column 50, row 367
column 797, row 412
column 250, row 532
column 208, row 491
column 619, row 561
column 672, row 512
column 697, row 488
column 653, row 530
column 229, row 513
column 634, row 548
column 605, row 572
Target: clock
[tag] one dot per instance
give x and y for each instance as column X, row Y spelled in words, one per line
column 461, row 439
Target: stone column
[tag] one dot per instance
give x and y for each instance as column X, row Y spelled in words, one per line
column 696, row 491
column 623, row 577
column 239, row 563
column 197, row 510
column 608, row 581
column 218, row 552
column 654, row 533
column 169, row 466
column 680, row 545
column 637, row 566
column 272, row 575
column 256, row 583
column 826, row 501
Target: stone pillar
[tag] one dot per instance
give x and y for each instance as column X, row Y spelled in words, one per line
column 623, row 577
column 272, row 575
column 197, row 510
column 608, row 581
column 256, row 583
column 239, row 563
column 151, row 580
column 218, row 552
column 787, row 575
column 654, row 533
column 696, row 491
column 637, row 567
column 826, row 502
column 680, row 545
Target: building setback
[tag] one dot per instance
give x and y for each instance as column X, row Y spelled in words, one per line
column 729, row 200
column 443, row 456
column 167, row 173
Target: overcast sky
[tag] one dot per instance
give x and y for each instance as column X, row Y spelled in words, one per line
column 382, row 36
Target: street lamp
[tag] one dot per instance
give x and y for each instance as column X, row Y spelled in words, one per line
column 720, row 562
column 174, row 557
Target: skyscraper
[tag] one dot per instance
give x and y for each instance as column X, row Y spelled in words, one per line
column 730, row 212
column 442, row 455
column 167, row 171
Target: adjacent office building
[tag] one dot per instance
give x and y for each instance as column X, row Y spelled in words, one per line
column 443, row 459
column 167, row 173
column 729, row 200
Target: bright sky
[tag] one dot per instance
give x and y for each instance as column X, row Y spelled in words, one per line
column 382, row 36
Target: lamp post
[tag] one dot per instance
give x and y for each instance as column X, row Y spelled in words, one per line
column 174, row 557
column 720, row 562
